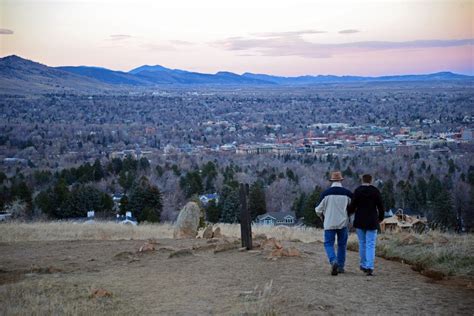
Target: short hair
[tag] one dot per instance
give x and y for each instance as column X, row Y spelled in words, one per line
column 367, row 178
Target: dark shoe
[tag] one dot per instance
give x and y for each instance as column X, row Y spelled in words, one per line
column 340, row 270
column 369, row 272
column 363, row 269
column 334, row 269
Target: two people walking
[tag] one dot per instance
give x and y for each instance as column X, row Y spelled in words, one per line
column 336, row 205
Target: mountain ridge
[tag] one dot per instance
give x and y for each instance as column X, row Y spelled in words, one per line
column 17, row 73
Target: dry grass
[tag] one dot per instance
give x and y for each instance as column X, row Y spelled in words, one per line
column 435, row 253
column 51, row 231
column 304, row 234
column 56, row 297
column 262, row 301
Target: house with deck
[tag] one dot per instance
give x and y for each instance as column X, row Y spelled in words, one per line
column 276, row 218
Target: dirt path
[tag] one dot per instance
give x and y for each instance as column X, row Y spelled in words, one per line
column 213, row 283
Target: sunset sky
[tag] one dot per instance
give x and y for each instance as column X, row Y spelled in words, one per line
column 281, row 37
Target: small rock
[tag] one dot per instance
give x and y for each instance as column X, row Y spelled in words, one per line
column 153, row 241
column 166, row 248
column 217, row 233
column 293, row 252
column 95, row 293
column 207, row 234
column 260, row 236
column 125, row 255
column 225, row 247
column 276, row 253
column 147, row 247
column 272, row 243
column 181, row 253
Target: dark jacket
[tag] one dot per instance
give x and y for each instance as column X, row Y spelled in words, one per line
column 368, row 207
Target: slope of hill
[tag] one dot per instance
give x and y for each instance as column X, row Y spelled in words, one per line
column 18, row 75
column 161, row 75
column 308, row 80
column 105, row 75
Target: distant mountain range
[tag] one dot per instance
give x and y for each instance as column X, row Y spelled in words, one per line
column 18, row 75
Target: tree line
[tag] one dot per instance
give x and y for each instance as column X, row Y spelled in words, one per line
column 71, row 192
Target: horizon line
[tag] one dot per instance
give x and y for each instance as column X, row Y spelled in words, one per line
column 249, row 72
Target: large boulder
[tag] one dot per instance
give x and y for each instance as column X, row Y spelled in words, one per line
column 187, row 223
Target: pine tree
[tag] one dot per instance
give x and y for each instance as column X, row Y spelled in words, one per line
column 388, row 195
column 97, row 170
column 209, row 173
column 257, row 203
column 310, row 217
column 213, row 212
column 144, row 164
column 123, row 204
column 440, row 204
column 145, row 201
column 126, row 179
column 229, row 204
column 191, row 183
column 83, row 199
column 298, row 205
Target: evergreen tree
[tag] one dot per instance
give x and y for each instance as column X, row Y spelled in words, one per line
column 348, row 172
column 229, row 204
column 159, row 170
column 213, row 212
column 59, row 196
column 191, row 183
column 3, row 177
column 388, row 195
column 98, row 171
column 126, row 179
column 83, row 199
column 309, row 214
column 123, row 204
column 176, row 170
column 144, row 164
column 298, row 205
column 440, row 204
column 442, row 209
column 290, row 175
column 4, row 197
column 470, row 175
column 21, row 191
column 129, row 164
column 145, row 201
column 115, row 166
column 257, row 203
column 209, row 174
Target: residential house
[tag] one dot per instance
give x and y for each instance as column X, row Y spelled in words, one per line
column 206, row 198
column 127, row 219
column 276, row 218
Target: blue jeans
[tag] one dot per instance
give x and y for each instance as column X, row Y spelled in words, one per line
column 329, row 239
column 367, row 241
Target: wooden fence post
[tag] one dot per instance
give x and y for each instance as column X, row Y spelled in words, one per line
column 245, row 218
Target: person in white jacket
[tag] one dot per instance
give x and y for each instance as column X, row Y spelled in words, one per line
column 333, row 211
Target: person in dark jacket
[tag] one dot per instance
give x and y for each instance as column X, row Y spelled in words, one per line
column 369, row 212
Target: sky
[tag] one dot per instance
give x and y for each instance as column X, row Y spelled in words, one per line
column 279, row 37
